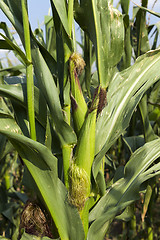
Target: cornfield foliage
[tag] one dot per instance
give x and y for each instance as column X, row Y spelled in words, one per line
column 79, row 135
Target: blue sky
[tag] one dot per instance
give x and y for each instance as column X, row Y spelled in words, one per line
column 37, row 11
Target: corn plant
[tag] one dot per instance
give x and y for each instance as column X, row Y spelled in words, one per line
column 63, row 119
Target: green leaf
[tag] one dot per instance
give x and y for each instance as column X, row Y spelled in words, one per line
column 12, row 10
column 127, row 214
column 126, row 57
column 124, row 93
column 125, row 6
column 88, row 58
column 5, row 147
column 156, row 33
column 50, row 36
column 141, row 33
column 13, row 70
column 148, row 131
column 62, row 13
column 63, row 50
column 17, row 93
column 147, row 10
column 27, row 236
column 134, row 142
column 47, row 85
column 5, row 45
column 104, row 24
column 126, row 190
column 43, row 167
column 8, row 32
column 17, row 49
column 147, row 200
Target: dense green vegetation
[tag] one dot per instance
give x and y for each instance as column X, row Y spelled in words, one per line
column 79, row 135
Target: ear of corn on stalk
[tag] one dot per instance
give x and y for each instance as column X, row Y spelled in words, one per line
column 80, row 169
column 79, row 106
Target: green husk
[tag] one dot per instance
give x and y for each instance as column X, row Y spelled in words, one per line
column 79, row 106
column 85, row 150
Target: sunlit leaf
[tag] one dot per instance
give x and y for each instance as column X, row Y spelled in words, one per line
column 126, row 190
column 104, row 24
column 50, row 91
column 43, row 167
column 125, row 92
column 148, row 10
column 15, row 48
column 62, row 13
column 17, row 92
column 125, row 6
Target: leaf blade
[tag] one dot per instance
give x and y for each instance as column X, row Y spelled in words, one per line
column 47, row 84
column 123, row 97
column 126, row 190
